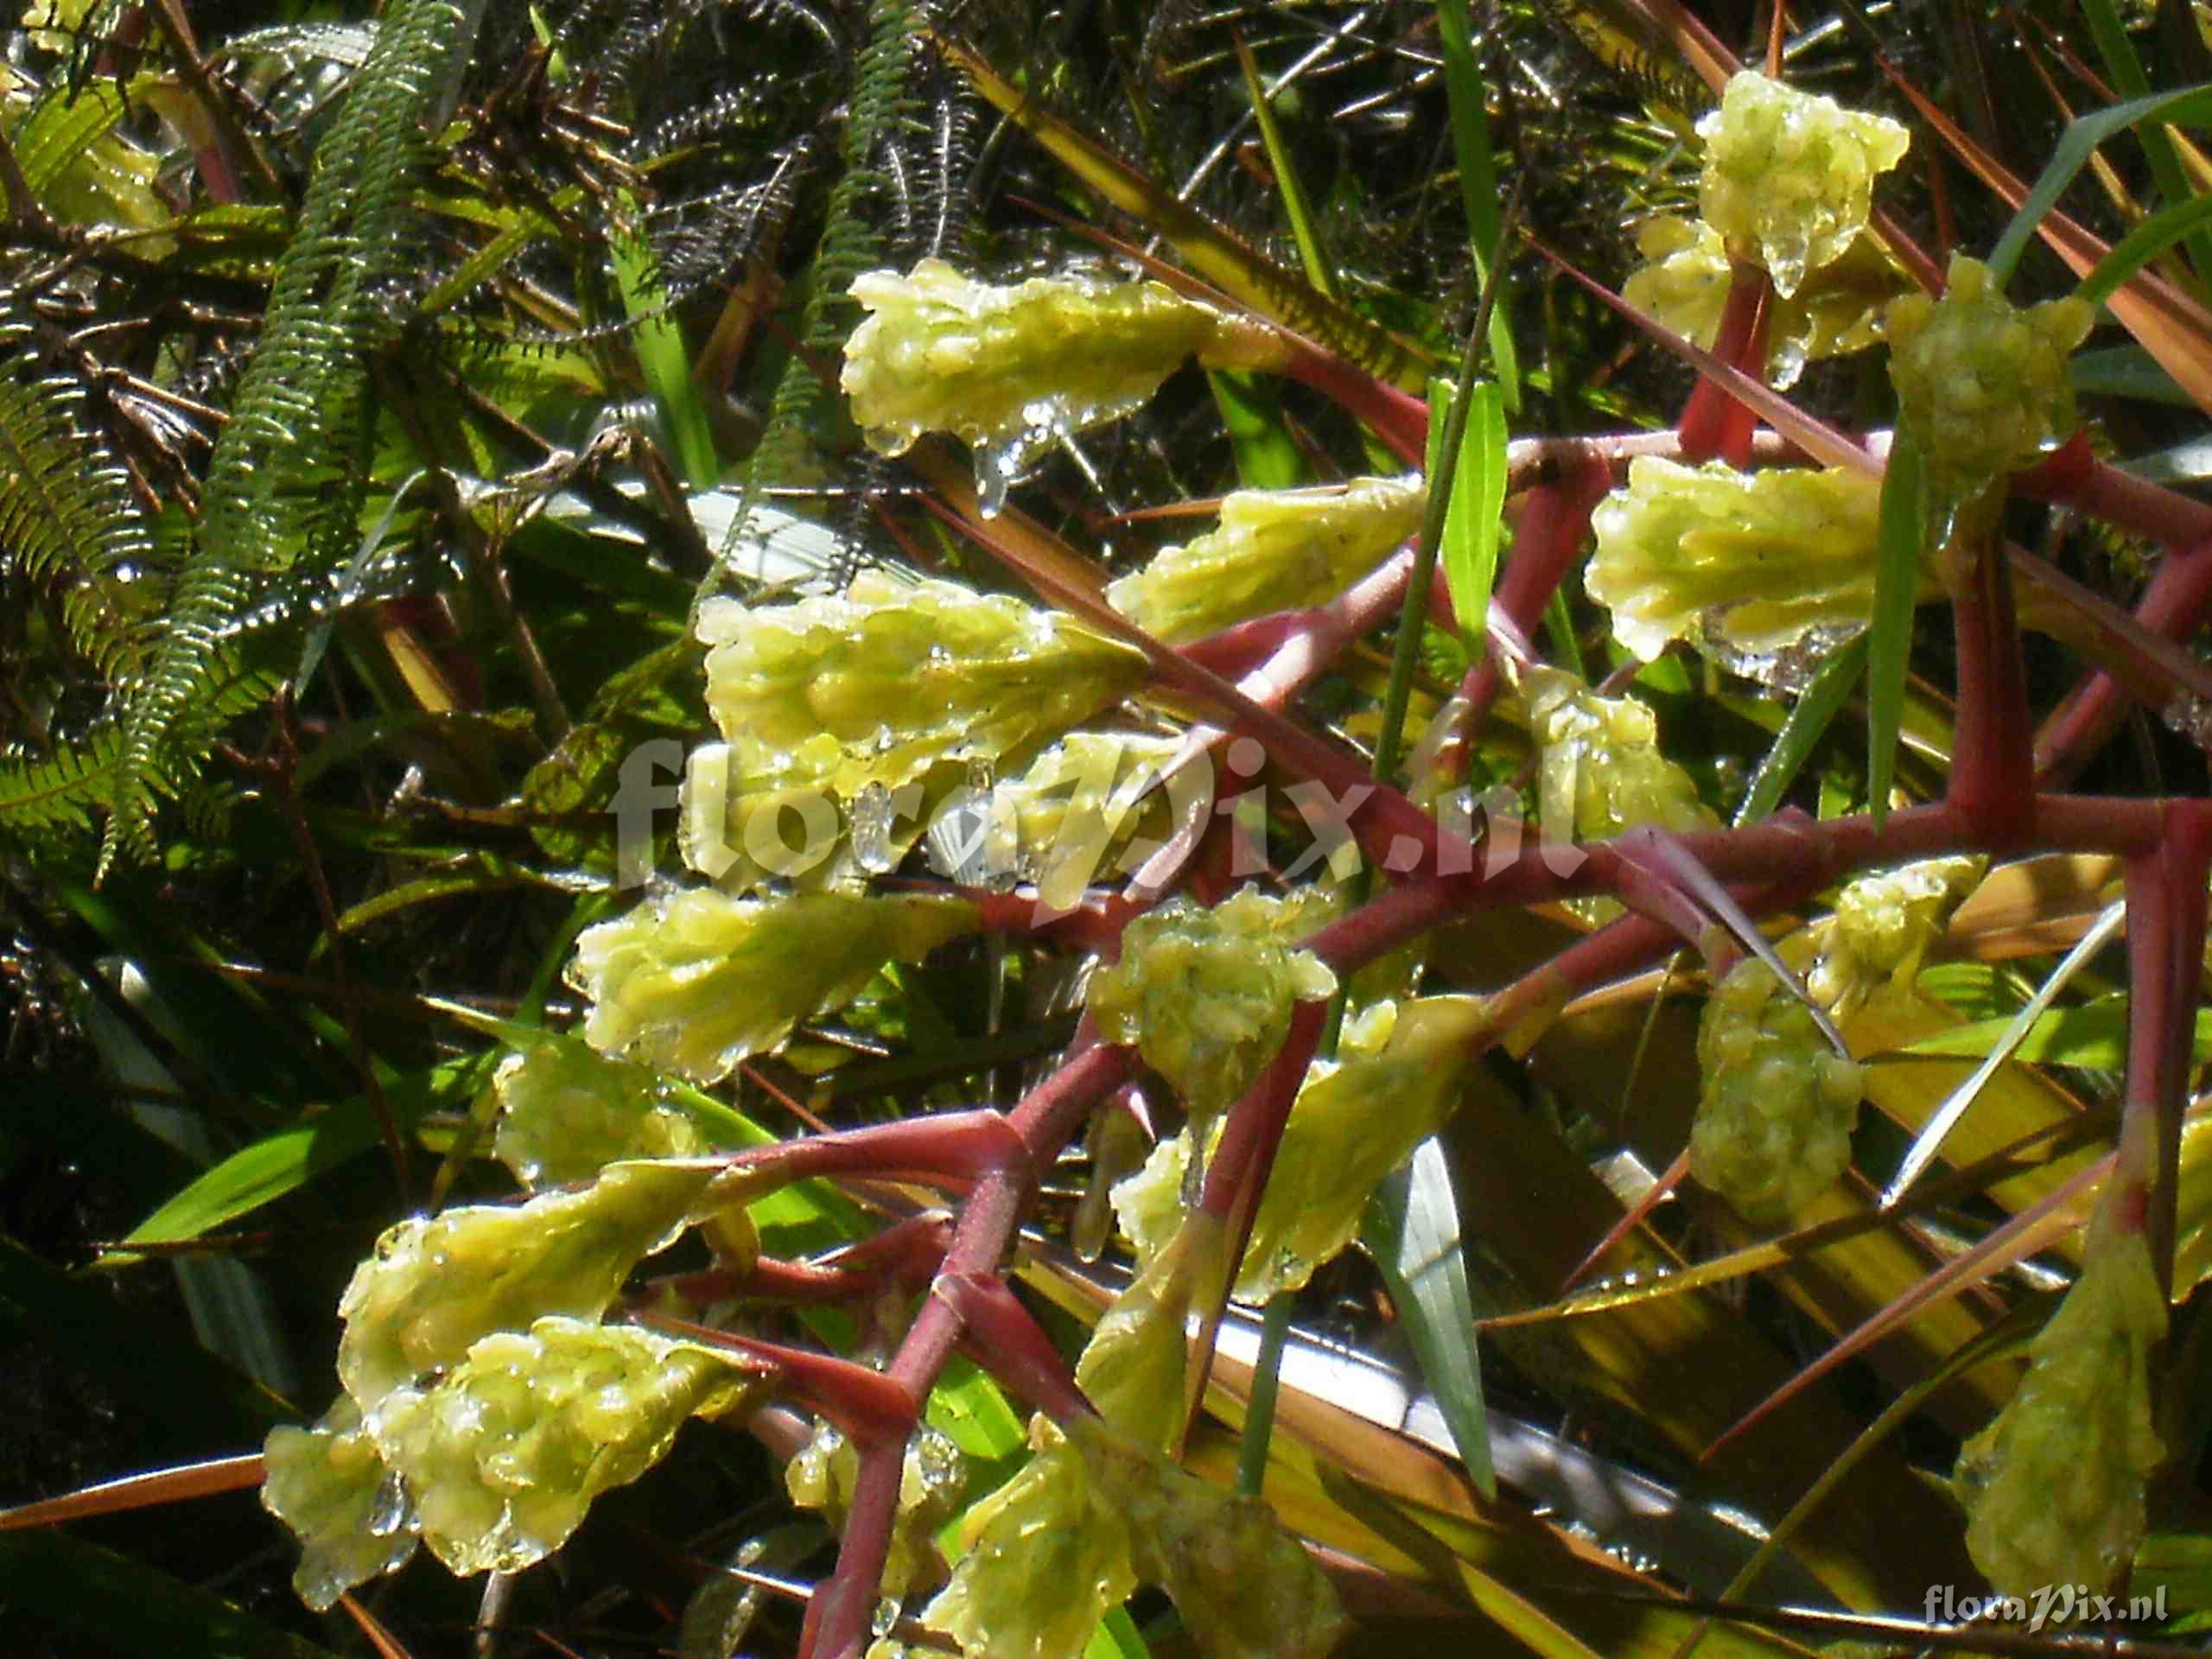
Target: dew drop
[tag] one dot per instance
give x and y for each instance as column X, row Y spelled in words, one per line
column 995, row 465
column 2191, row 715
column 391, row 1511
column 872, row 815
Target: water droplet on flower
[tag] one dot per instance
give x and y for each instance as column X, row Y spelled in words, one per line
column 392, row 1511
column 872, row 814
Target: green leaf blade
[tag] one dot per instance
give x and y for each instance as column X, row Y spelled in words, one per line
column 1904, row 522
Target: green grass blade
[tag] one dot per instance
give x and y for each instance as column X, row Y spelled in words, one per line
column 1478, row 184
column 2184, row 220
column 285, row 1161
column 1889, row 642
column 2127, row 371
column 1817, row 707
column 1259, row 441
column 2192, row 105
column 2127, row 75
column 1472, row 520
column 2093, row 1035
column 1558, row 629
column 1412, row 1229
column 1319, row 270
column 665, row 365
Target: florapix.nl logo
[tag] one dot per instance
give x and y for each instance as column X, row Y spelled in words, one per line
column 985, row 833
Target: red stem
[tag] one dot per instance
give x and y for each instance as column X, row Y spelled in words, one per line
column 1992, row 757
column 954, row 1146
column 1237, row 1175
column 838, row 1619
column 999, row 1336
column 1398, row 418
column 1715, row 421
column 2166, row 902
column 1776, row 854
column 1545, row 545
column 2174, row 606
column 2072, row 476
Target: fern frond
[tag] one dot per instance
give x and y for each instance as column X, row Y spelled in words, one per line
column 882, row 100
column 60, row 793
column 67, row 517
column 287, row 478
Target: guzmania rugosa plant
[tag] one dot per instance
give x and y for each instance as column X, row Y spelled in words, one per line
column 1298, row 910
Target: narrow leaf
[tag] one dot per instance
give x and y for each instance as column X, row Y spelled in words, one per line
column 1471, row 521
column 2192, row 104
column 1412, row 1229
column 1479, row 185
column 663, row 362
column 2184, row 219
column 283, row 1162
column 2125, row 68
column 1817, row 707
column 2093, row 1035
column 1889, row 642
column 1303, row 231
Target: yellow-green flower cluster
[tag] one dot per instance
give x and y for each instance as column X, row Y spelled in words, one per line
column 1065, row 1541
column 1337, row 1144
column 1778, row 1105
column 1837, row 309
column 1396, row 1080
column 832, row 704
column 329, row 1484
column 1133, row 1368
column 1058, row 822
column 2054, row 1486
column 1748, row 565
column 1009, row 369
column 435, row 1286
column 505, row 1454
column 1274, row 550
column 566, row 1113
column 932, row 1482
column 1205, row 995
column 485, row 1407
column 1981, row 384
column 1883, row 926
column 1047, row 1557
column 1788, row 176
column 1602, row 771
column 693, row 981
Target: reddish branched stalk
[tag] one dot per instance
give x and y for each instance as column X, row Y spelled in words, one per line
column 1391, row 829
column 999, row 1336
column 838, row 1619
column 2166, row 903
column 1398, row 418
column 1237, row 1175
column 1715, row 423
column 1992, row 756
column 904, row 1255
column 1304, row 651
column 2176, row 603
column 1545, row 544
column 2072, row 476
column 959, row 1146
column 1777, row 861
